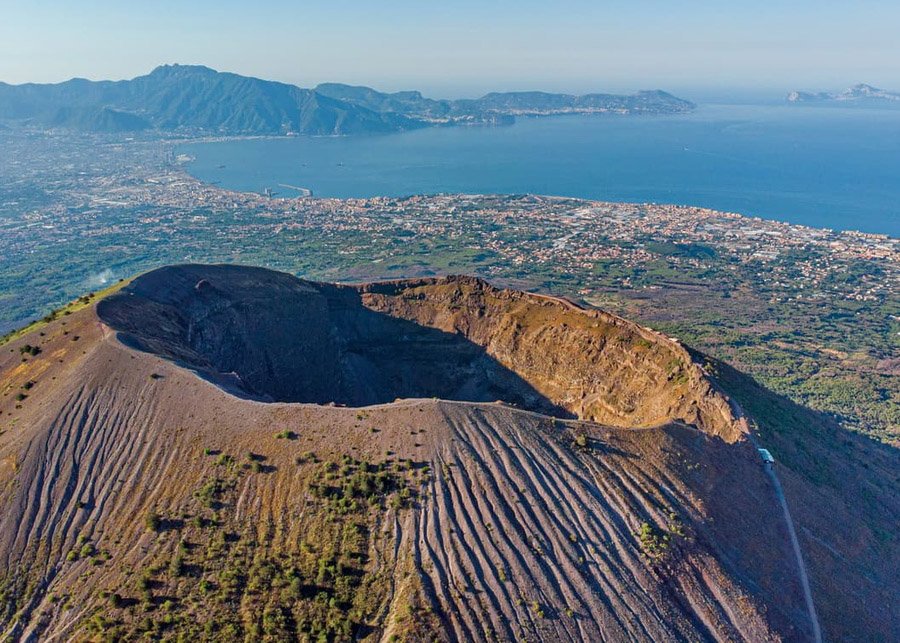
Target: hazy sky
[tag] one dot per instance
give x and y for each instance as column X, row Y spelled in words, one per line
column 465, row 47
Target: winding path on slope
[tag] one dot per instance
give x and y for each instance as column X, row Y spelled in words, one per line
column 795, row 543
column 804, row 578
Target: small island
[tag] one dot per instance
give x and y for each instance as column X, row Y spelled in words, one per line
column 860, row 94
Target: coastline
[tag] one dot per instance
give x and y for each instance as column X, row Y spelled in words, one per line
column 674, row 160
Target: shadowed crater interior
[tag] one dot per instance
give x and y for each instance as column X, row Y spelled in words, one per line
column 271, row 336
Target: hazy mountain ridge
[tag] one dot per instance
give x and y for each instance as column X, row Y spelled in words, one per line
column 507, row 103
column 193, row 98
column 858, row 94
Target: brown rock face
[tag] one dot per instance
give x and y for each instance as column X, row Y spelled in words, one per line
column 597, row 366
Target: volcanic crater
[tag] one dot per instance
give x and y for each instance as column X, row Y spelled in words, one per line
column 341, row 470
column 276, row 338
column 273, row 337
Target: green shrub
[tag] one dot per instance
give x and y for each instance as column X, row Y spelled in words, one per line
column 654, row 544
column 177, row 567
column 28, row 349
column 224, row 460
column 152, row 521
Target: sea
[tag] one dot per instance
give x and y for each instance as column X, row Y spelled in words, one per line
column 826, row 167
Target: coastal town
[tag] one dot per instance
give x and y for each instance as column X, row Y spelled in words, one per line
column 78, row 213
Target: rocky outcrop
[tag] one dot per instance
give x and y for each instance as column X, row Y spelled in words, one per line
column 598, row 366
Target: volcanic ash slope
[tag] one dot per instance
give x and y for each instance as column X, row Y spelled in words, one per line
column 231, row 453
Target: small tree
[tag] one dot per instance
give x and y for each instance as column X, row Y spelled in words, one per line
column 152, row 521
column 654, row 545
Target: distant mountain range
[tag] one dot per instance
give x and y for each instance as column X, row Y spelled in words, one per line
column 857, row 95
column 196, row 99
